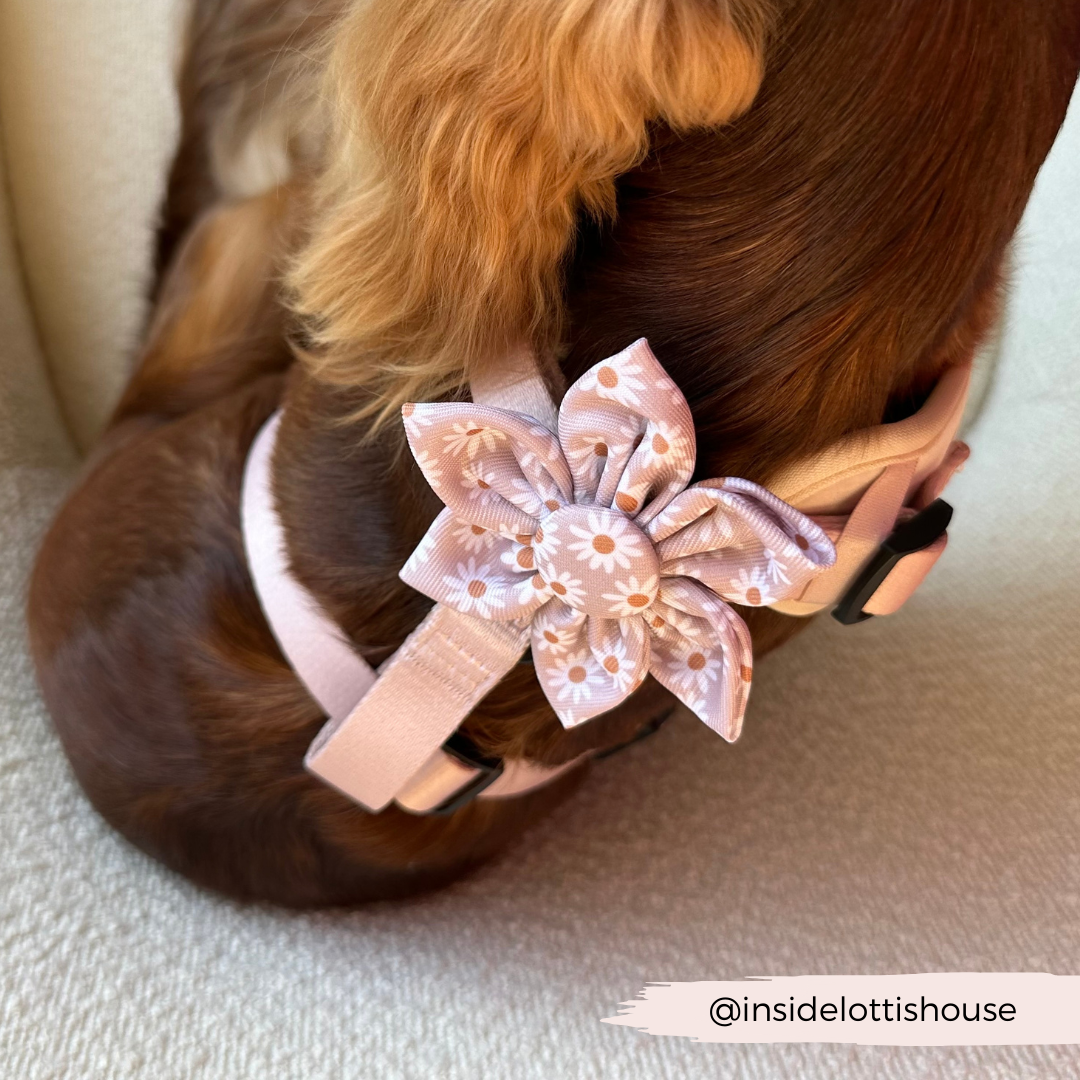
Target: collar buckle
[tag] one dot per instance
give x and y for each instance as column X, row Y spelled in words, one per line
column 915, row 534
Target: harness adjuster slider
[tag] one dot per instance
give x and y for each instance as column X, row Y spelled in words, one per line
column 914, row 534
column 460, row 746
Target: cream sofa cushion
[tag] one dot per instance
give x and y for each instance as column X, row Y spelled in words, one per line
column 89, row 118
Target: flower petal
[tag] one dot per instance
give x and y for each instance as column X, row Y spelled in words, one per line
column 728, row 533
column 494, row 468
column 558, row 630
column 490, row 581
column 701, row 652
column 575, row 657
column 621, row 647
column 627, row 432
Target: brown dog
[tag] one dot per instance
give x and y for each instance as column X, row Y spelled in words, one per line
column 395, row 191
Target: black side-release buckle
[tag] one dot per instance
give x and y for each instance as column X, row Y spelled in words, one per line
column 468, row 753
column 913, row 535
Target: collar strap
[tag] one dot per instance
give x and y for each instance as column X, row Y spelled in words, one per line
column 862, row 486
column 391, row 734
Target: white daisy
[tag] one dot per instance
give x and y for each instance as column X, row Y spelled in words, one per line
column 629, row 498
column 417, row 415
column 474, row 538
column 751, row 589
column 631, row 597
column 519, row 558
column 618, row 668
column 476, row 479
column 774, row 568
column 675, row 395
column 577, row 676
column 692, row 672
column 471, row 438
column 694, row 701
column 504, row 528
column 664, row 444
column 548, row 537
column 567, row 588
column 618, row 381
column 588, row 450
column 607, row 542
column 469, row 589
column 716, row 526
column 532, row 587
column 588, row 471
column 699, row 670
column 554, row 636
column 689, row 626
column 549, row 494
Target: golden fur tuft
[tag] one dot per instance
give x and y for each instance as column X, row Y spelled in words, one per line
column 468, row 138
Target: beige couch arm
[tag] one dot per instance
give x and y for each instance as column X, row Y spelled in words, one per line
column 88, row 116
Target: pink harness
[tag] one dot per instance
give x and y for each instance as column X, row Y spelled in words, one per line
column 575, row 532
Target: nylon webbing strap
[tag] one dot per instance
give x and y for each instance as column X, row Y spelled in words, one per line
column 422, row 694
column 328, row 665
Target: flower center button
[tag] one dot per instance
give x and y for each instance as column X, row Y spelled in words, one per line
column 597, row 561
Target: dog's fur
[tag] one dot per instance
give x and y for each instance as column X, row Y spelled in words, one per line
column 397, row 191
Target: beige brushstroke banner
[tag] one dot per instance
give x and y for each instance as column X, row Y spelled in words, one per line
column 935, row 1009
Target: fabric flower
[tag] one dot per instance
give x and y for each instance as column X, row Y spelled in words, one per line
column 592, row 538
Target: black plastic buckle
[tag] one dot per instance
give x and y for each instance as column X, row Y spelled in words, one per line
column 913, row 535
column 468, row 753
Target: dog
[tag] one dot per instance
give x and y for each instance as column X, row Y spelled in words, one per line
column 806, row 206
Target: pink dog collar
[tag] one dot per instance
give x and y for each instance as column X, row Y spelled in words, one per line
column 590, row 546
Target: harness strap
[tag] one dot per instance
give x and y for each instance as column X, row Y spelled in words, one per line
column 424, row 691
column 335, row 675
column 384, row 739
column 384, row 748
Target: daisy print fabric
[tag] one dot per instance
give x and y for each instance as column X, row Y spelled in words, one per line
column 592, row 538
